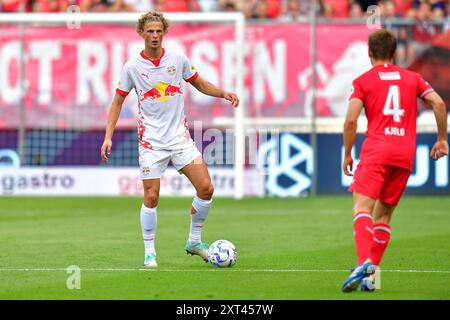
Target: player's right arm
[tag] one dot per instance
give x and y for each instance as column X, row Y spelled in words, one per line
column 440, row 148
column 113, row 117
column 351, row 124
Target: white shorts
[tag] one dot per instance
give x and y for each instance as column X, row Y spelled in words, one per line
column 153, row 163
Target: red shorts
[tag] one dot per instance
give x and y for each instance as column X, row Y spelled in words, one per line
column 381, row 182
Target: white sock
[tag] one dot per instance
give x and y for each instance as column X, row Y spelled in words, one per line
column 148, row 224
column 198, row 219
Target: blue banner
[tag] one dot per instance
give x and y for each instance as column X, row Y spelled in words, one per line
column 291, row 173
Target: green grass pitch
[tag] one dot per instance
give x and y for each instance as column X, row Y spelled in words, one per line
column 299, row 248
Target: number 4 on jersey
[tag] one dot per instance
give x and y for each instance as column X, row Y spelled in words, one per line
column 392, row 105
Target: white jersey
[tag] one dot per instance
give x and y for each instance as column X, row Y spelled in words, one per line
column 160, row 86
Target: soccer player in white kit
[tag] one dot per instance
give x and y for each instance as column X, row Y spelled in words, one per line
column 158, row 78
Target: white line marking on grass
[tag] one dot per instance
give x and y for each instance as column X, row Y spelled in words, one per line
column 206, row 270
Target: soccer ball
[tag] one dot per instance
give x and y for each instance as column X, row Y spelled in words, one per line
column 222, row 253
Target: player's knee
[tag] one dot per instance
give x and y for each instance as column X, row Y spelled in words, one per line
column 151, row 199
column 206, row 190
column 210, row 190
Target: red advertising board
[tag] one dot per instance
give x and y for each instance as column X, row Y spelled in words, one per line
column 71, row 75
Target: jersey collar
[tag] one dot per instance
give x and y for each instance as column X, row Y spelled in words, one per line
column 383, row 65
column 155, row 62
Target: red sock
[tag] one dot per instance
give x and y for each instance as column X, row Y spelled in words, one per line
column 381, row 237
column 363, row 233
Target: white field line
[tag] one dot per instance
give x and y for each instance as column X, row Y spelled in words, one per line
column 207, row 270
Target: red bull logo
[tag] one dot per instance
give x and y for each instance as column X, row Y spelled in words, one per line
column 161, row 91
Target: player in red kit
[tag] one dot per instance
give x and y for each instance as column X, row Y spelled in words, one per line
column 388, row 95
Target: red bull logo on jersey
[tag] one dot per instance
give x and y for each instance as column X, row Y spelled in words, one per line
column 161, row 91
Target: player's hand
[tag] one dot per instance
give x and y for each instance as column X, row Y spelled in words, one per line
column 347, row 166
column 439, row 150
column 106, row 150
column 232, row 98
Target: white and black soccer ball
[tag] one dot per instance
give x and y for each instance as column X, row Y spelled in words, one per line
column 222, row 253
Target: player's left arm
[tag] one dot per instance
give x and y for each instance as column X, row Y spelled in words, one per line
column 440, row 148
column 212, row 90
column 350, row 126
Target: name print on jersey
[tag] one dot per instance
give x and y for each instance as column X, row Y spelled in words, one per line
column 394, row 131
column 390, row 75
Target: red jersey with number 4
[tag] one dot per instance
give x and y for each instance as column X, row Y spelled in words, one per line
column 389, row 94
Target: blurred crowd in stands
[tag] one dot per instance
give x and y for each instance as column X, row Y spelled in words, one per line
column 413, row 39
column 287, row 10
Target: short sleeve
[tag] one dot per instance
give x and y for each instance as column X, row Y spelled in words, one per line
column 357, row 91
column 189, row 72
column 125, row 84
column 423, row 88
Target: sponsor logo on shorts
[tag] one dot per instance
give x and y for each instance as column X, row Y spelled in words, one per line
column 145, row 171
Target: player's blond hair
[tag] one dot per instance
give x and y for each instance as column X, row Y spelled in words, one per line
column 151, row 16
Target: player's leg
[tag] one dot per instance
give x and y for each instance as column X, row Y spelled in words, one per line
column 363, row 234
column 381, row 230
column 362, row 225
column 149, row 219
column 367, row 184
column 198, row 175
column 389, row 198
column 152, row 165
column 395, row 184
column 381, row 235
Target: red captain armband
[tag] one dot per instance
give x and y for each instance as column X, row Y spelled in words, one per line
column 121, row 92
column 192, row 78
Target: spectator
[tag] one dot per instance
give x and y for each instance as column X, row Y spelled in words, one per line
column 433, row 8
column 102, row 5
column 292, row 11
column 337, row 8
column 356, row 11
column 261, row 9
column 139, row 5
column 389, row 11
column 14, row 5
column 273, row 8
column 423, row 31
column 180, row 5
column 176, row 5
column 49, row 6
column 295, row 9
column 228, row 5
column 403, row 6
column 248, row 7
column 438, row 8
column 365, row 3
column 388, row 8
column 328, row 11
column 158, row 5
column 208, row 5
